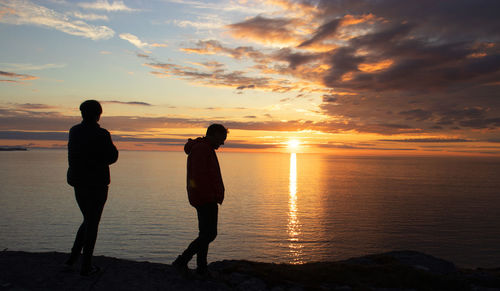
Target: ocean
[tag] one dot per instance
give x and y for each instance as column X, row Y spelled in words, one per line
column 283, row 208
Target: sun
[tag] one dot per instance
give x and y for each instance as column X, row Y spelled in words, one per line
column 293, row 144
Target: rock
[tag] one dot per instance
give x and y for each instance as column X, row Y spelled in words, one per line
column 401, row 270
column 252, row 284
column 236, row 279
column 424, row 262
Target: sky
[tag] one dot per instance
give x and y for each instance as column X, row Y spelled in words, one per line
column 415, row 77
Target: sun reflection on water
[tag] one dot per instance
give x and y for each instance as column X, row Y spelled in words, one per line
column 294, row 231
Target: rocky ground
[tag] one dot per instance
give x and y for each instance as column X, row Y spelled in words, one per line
column 405, row 270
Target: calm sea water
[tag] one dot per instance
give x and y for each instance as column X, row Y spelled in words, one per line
column 278, row 208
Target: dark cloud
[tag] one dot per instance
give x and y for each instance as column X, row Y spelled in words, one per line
column 33, row 120
column 63, row 136
column 416, row 64
column 360, row 147
column 209, row 47
column 281, row 62
column 245, row 87
column 326, row 30
column 30, row 106
column 478, row 123
column 428, row 140
column 250, row 146
column 386, row 67
column 15, row 120
column 292, row 58
column 329, row 98
column 125, row 138
column 392, row 66
column 266, row 30
column 25, row 135
column 416, row 114
column 139, row 103
column 434, row 62
column 21, row 77
column 222, row 78
column 28, row 120
column 36, row 120
column 35, row 125
column 460, row 19
column 140, row 141
column 225, row 108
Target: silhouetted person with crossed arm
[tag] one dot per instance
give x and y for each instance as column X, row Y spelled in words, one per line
column 205, row 190
column 90, row 152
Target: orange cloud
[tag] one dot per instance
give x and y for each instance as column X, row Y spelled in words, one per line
column 220, row 78
column 7, row 10
column 374, row 67
column 357, row 19
column 302, row 8
column 212, row 47
column 208, row 47
column 158, row 45
column 208, row 65
column 267, row 30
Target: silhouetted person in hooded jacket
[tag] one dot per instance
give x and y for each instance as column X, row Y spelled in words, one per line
column 205, row 190
column 90, row 152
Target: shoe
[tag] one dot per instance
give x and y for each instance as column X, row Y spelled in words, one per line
column 72, row 259
column 69, row 265
column 180, row 265
column 91, row 271
column 202, row 271
column 205, row 274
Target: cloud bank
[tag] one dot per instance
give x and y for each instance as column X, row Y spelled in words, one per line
column 138, row 43
column 106, row 6
column 23, row 12
column 387, row 67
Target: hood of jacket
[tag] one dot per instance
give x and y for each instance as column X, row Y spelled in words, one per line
column 192, row 142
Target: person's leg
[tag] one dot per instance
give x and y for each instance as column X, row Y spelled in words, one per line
column 96, row 201
column 81, row 196
column 208, row 232
column 192, row 249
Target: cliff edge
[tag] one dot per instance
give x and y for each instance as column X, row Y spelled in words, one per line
column 400, row 270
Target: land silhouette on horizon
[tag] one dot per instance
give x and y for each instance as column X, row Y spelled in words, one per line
column 8, row 149
column 398, row 270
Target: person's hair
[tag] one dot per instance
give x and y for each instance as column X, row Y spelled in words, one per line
column 215, row 128
column 90, row 109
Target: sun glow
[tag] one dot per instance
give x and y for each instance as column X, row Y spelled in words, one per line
column 293, row 144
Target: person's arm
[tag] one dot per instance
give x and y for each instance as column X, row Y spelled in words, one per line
column 75, row 152
column 110, row 154
column 216, row 179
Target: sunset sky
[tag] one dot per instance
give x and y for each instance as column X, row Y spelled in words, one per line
column 347, row 77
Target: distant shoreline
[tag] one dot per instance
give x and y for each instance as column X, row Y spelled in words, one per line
column 11, row 149
column 398, row 270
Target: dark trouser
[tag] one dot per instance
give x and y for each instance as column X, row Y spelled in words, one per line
column 91, row 201
column 207, row 225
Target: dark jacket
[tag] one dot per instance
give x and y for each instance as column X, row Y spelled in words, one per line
column 204, row 180
column 90, row 152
